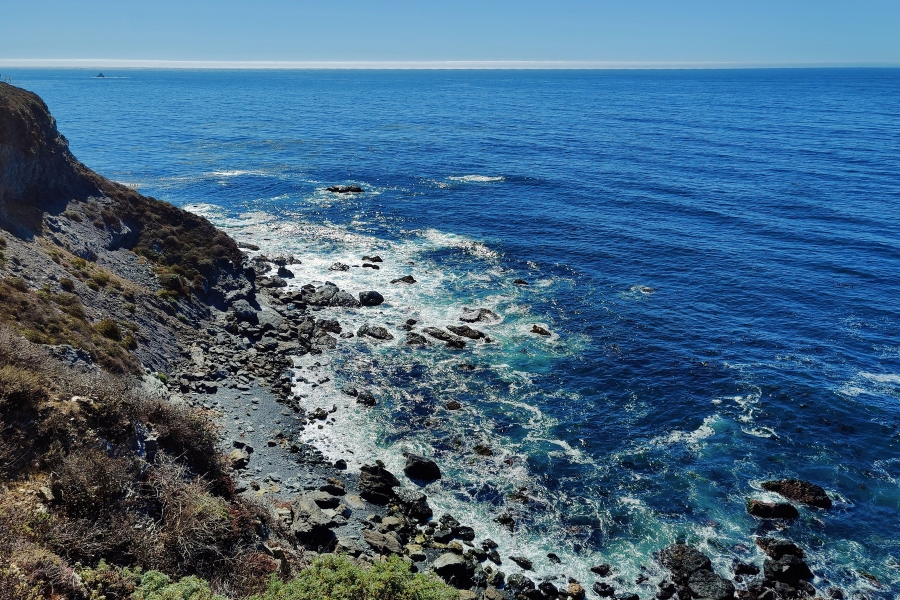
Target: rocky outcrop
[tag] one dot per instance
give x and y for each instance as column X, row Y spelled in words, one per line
column 419, row 467
column 800, row 491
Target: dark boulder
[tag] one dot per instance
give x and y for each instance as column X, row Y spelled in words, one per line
column 523, row 562
column 800, row 491
column 419, row 467
column 788, row 569
column 683, row 561
column 405, row 279
column 285, row 272
column 604, row 570
column 345, row 299
column 366, row 398
column 466, row 331
column 604, row 590
column 454, row 569
column 539, row 330
column 370, row 298
column 414, row 505
column 320, row 296
column 520, row 282
column 339, row 266
column 345, row 189
column 374, row 331
column 383, row 543
column 414, row 339
column 374, row 259
column 455, row 344
column 706, row 585
column 376, row 484
column 439, row 334
column 776, row 548
column 370, row 266
column 772, row 510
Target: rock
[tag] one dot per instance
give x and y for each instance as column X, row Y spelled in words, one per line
column 776, row 548
column 453, row 568
column 239, row 459
column 373, row 259
column 667, row 589
column 339, row 266
column 548, row 589
column 383, row 543
column 706, row 585
column 370, row 266
column 376, row 484
column 442, row 535
column 554, row 558
column 772, row 510
column 439, row 334
column 683, row 561
column 464, row 533
column 46, row 494
column 523, row 562
column 539, row 330
column 492, row 593
column 799, row 491
column 604, row 570
column 520, row 282
column 519, row 582
column 324, row 499
column 340, row 464
column 414, row 339
column 604, row 590
column 745, row 569
column 320, row 296
column 466, row 331
column 366, row 398
column 419, row 467
column 467, row 595
column 788, row 569
column 285, row 272
column 576, row 591
column 453, row 405
column 271, row 282
column 345, row 545
column 374, row 331
column 248, row 246
column 627, row 596
column 405, row 279
column 244, row 312
column 414, row 505
column 345, row 299
column 478, row 315
column 309, row 521
column 345, row 189
column 370, row 298
column 456, row 344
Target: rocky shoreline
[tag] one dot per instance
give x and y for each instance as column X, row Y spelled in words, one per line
column 227, row 336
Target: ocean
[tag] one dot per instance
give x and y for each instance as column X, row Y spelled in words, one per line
column 716, row 255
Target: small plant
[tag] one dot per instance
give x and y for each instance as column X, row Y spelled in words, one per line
column 67, row 284
column 72, row 216
column 92, row 285
column 128, row 342
column 162, row 377
column 159, row 586
column 109, row 329
column 101, row 277
column 130, row 307
column 338, row 578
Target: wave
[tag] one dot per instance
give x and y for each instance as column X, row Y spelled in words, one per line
column 476, row 178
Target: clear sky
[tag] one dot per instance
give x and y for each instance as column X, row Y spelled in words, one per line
column 653, row 31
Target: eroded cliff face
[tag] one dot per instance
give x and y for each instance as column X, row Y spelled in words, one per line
column 37, row 171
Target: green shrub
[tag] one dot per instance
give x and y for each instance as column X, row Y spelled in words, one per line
column 338, row 578
column 109, row 329
column 158, row 586
column 101, row 277
column 20, row 388
column 67, row 284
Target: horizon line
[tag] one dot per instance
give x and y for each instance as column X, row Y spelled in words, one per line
column 96, row 63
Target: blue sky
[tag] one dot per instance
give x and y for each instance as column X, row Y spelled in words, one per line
column 626, row 31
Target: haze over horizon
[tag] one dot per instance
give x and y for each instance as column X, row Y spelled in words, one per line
column 465, row 34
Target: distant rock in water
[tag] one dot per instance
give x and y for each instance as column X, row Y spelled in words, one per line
column 100, row 76
column 772, row 510
column 346, row 189
column 370, row 298
column 799, row 491
column 478, row 315
column 419, row 467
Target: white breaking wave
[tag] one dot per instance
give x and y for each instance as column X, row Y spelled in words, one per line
column 476, row 178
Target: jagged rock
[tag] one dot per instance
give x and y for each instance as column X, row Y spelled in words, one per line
column 772, row 510
column 799, row 491
column 324, row 499
column 776, row 548
column 439, row 334
column 248, row 246
column 383, row 543
column 309, row 521
column 478, row 315
column 285, row 272
column 745, row 569
column 374, row 331
column 604, row 590
column 414, row 339
column 539, row 330
column 244, row 312
column 376, row 484
column 339, row 266
column 374, row 259
column 405, row 279
column 454, row 569
column 523, row 562
column 604, row 570
column 345, row 299
column 271, row 282
column 370, row 298
column 520, row 282
column 414, row 504
column 320, row 296
column 706, row 585
column 466, row 331
column 683, row 560
column 519, row 582
column 370, row 266
column 788, row 569
column 419, row 467
column 345, row 189
column 366, row 398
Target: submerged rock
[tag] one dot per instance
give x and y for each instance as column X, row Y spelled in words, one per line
column 414, row 339
column 772, row 510
column 374, row 331
column 374, row 259
column 466, row 331
column 776, row 548
column 788, row 569
column 405, row 279
column 339, row 266
column 478, row 315
column 799, row 491
column 366, row 398
column 539, row 330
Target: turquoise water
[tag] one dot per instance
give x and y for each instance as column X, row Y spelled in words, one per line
column 717, row 255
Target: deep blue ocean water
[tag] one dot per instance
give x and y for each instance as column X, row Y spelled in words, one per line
column 717, row 254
